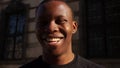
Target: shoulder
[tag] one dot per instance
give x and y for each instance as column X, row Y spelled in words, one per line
column 35, row 63
column 87, row 63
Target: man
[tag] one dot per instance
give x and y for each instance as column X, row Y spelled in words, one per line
column 54, row 29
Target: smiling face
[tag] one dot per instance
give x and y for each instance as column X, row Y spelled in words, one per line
column 54, row 27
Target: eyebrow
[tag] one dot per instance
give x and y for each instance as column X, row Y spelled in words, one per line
column 60, row 16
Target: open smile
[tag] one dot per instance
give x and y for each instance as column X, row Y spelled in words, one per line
column 53, row 40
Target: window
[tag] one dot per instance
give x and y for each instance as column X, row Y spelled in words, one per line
column 14, row 30
column 15, row 37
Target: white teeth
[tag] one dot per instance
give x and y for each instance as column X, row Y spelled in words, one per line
column 53, row 39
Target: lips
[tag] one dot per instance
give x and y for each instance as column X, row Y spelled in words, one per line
column 53, row 40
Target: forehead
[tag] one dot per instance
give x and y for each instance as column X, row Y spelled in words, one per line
column 54, row 7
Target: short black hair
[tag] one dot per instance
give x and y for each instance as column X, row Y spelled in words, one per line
column 45, row 1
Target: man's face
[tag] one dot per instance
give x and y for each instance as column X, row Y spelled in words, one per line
column 55, row 27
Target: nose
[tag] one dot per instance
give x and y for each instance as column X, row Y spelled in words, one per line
column 52, row 27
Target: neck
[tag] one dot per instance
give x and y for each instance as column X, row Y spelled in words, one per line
column 58, row 60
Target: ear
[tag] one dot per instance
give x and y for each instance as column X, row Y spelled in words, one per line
column 75, row 27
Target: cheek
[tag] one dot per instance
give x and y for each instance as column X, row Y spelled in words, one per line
column 39, row 33
column 69, row 29
column 39, row 29
column 68, row 33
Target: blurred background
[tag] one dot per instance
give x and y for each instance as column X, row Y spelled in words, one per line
column 97, row 38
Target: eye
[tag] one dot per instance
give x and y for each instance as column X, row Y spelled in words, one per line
column 61, row 21
column 42, row 23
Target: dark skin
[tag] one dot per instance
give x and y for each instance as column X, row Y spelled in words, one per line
column 54, row 29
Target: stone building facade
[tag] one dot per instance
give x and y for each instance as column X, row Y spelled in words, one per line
column 18, row 43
